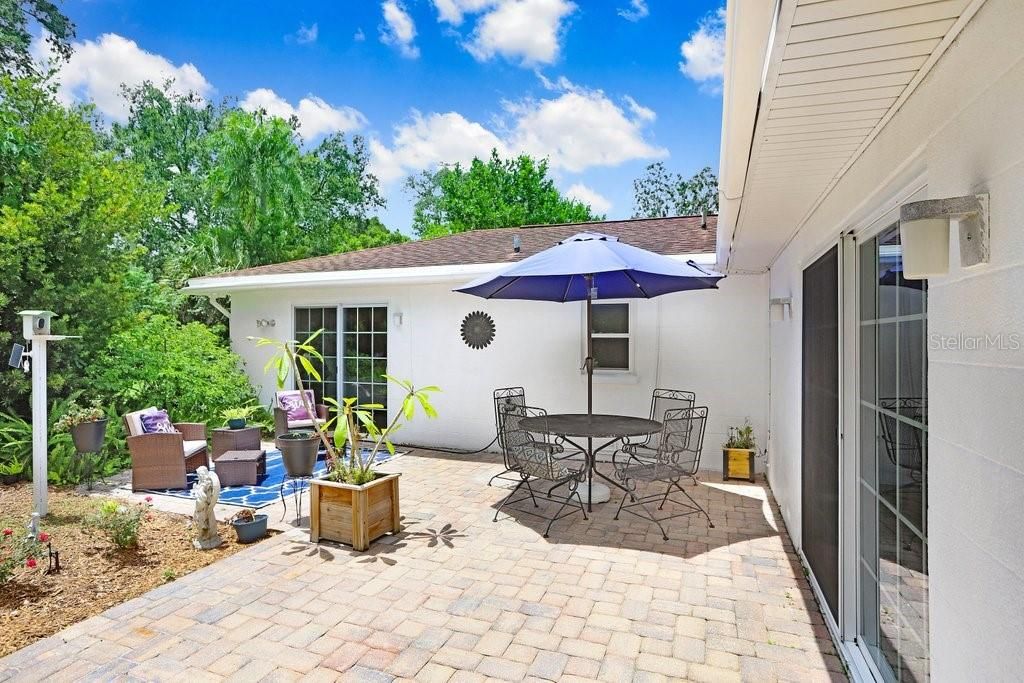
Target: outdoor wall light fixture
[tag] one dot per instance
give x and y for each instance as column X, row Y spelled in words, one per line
column 397, row 318
column 924, row 234
column 266, row 323
column 779, row 307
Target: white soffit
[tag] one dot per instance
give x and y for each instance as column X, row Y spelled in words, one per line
column 837, row 72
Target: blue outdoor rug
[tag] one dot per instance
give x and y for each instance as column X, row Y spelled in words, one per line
column 268, row 490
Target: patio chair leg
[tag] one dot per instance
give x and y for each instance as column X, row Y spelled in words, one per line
column 574, row 490
column 508, row 498
column 621, row 503
column 499, row 475
column 650, row 516
column 530, row 489
column 557, row 514
column 695, row 503
column 668, row 490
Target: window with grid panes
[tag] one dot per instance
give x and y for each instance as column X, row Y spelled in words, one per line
column 307, row 321
column 365, row 357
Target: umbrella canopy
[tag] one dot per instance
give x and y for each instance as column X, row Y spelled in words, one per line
column 618, row 271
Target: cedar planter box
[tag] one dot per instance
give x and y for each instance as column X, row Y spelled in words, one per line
column 738, row 463
column 354, row 515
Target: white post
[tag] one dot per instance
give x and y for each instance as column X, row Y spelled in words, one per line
column 40, row 471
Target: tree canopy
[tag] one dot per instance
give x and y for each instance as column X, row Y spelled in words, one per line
column 496, row 193
column 660, row 192
column 16, row 17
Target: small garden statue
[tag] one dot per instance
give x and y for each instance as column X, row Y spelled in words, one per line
column 206, row 491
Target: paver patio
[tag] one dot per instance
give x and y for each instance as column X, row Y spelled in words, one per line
column 458, row 597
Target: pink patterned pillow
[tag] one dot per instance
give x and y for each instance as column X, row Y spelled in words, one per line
column 291, row 403
column 156, row 422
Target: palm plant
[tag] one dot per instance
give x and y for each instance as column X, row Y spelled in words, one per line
column 352, row 421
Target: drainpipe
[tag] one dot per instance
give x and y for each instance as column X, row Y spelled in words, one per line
column 218, row 305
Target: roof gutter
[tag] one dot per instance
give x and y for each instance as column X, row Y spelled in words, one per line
column 748, row 30
column 214, row 286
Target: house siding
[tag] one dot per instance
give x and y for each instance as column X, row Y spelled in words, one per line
column 714, row 343
column 962, row 132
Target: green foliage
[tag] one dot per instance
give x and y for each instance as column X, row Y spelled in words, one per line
column 18, row 19
column 352, row 422
column 76, row 415
column 185, row 369
column 70, row 217
column 741, row 437
column 121, row 521
column 19, row 549
column 497, row 193
column 659, row 193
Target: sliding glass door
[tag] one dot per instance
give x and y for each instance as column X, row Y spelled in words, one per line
column 892, row 488
column 307, row 321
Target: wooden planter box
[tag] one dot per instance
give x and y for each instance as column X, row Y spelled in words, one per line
column 354, row 515
column 738, row 463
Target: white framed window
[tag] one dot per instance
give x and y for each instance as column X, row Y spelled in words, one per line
column 613, row 336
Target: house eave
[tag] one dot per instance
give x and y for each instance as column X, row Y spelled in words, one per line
column 212, row 285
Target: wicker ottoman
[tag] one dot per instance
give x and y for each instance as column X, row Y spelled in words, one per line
column 245, row 439
column 241, row 468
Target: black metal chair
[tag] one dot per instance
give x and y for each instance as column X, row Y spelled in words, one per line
column 530, row 458
column 662, row 400
column 677, row 457
column 516, row 396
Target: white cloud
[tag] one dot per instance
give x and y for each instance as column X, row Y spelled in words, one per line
column 399, row 29
column 704, row 52
column 576, row 130
column 316, row 117
column 453, row 11
column 637, row 10
column 597, row 202
column 97, row 69
column 526, row 30
column 641, row 112
column 359, row 36
column 427, row 141
column 306, row 34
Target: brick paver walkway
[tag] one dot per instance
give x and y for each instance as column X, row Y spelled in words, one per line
column 457, row 597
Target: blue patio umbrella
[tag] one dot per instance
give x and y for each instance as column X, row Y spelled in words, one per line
column 589, row 266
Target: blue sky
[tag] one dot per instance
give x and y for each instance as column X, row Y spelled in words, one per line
column 601, row 87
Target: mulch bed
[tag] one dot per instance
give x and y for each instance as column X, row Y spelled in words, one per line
column 95, row 575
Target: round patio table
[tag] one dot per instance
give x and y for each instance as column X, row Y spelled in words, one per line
column 615, row 428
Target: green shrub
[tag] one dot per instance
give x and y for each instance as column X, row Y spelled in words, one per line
column 17, row 549
column 121, row 521
column 186, row 369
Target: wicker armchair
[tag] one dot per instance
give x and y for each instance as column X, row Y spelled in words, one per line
column 161, row 461
column 282, row 425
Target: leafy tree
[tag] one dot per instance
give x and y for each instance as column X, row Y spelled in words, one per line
column 497, row 193
column 186, row 369
column 16, row 37
column 70, row 218
column 659, row 193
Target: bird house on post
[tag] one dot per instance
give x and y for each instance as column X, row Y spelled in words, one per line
column 36, row 330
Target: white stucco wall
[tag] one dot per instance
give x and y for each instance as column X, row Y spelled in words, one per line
column 711, row 342
column 964, row 130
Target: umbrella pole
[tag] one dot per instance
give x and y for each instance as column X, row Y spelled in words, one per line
column 590, row 393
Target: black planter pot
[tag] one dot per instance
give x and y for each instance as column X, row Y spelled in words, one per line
column 299, row 451
column 88, row 436
column 236, row 423
column 249, row 532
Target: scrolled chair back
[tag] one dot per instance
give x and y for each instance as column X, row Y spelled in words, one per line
column 523, row 451
column 682, row 437
column 664, row 400
column 506, row 396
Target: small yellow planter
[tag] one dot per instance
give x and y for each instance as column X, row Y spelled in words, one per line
column 354, row 515
column 738, row 463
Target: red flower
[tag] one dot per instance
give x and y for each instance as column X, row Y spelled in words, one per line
column 8, row 532
column 43, row 537
column 149, row 518
column 30, row 563
column 149, row 499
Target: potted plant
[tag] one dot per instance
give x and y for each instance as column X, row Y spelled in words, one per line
column 235, row 418
column 299, row 451
column 738, row 453
column 352, row 503
column 249, row 526
column 88, row 426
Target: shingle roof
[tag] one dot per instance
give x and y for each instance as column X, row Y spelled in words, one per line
column 670, row 236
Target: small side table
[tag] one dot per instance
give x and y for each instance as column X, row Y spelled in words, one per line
column 241, row 468
column 245, row 439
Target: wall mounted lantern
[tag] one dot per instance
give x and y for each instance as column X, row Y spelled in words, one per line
column 779, row 307
column 924, row 234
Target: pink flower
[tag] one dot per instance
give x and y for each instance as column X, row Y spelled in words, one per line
column 30, row 563
column 43, row 537
column 149, row 518
column 149, row 499
column 8, row 532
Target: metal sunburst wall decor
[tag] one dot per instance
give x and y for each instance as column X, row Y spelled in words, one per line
column 477, row 330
